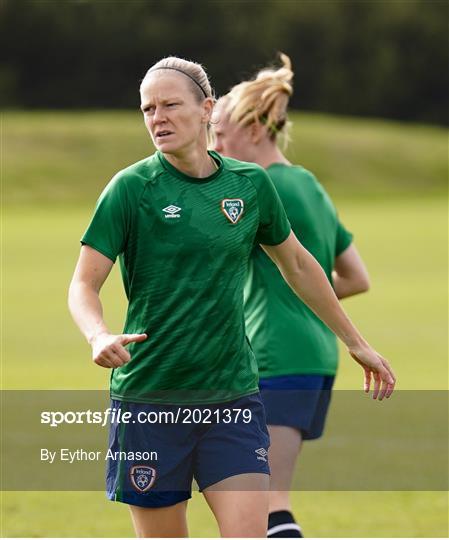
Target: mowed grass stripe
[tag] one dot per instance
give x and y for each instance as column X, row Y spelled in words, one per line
column 67, row 157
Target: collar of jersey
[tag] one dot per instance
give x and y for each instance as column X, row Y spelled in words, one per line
column 175, row 172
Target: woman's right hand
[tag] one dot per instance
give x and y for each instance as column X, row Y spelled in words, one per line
column 108, row 350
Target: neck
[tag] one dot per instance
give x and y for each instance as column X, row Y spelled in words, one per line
column 196, row 163
column 268, row 153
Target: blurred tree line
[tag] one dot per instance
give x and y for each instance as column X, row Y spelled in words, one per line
column 355, row 57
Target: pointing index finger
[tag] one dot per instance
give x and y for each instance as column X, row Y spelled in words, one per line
column 132, row 338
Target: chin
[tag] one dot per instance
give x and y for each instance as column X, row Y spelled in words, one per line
column 168, row 147
column 234, row 155
column 177, row 150
column 163, row 147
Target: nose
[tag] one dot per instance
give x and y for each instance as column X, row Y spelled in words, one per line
column 218, row 146
column 158, row 115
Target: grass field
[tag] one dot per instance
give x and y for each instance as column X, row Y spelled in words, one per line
column 323, row 514
column 389, row 183
column 404, row 314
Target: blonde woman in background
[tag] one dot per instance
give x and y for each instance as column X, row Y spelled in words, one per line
column 296, row 352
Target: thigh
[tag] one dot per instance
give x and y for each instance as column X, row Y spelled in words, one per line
column 167, row 522
column 240, row 513
column 284, row 449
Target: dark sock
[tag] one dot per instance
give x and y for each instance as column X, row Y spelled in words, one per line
column 282, row 524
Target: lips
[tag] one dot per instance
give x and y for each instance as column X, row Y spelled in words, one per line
column 163, row 133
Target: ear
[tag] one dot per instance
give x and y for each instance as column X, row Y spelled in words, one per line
column 257, row 132
column 208, row 107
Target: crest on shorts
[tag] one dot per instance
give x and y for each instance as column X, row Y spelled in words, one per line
column 142, row 477
column 232, row 209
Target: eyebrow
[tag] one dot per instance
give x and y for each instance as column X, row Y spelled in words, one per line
column 163, row 101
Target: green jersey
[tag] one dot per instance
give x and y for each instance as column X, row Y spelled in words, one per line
column 286, row 336
column 184, row 244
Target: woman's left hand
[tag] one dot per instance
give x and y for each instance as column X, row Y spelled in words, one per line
column 376, row 368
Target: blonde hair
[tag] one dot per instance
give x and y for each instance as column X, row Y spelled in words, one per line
column 199, row 80
column 264, row 99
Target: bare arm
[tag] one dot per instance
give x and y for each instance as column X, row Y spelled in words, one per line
column 350, row 275
column 308, row 280
column 85, row 306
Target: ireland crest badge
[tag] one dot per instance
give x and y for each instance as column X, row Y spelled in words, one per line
column 142, row 477
column 232, row 209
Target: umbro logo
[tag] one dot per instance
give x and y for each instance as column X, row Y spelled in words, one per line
column 261, row 454
column 172, row 211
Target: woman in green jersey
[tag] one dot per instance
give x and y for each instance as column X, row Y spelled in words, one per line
column 297, row 354
column 183, row 223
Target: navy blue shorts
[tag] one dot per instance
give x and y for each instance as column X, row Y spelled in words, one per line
column 152, row 463
column 298, row 401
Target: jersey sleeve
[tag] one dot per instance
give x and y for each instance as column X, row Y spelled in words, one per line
column 108, row 230
column 274, row 226
column 343, row 240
